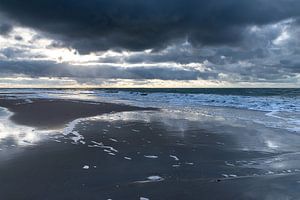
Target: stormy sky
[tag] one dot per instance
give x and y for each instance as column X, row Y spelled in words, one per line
column 149, row 43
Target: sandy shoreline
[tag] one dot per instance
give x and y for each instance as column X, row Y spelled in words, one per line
column 55, row 113
column 136, row 153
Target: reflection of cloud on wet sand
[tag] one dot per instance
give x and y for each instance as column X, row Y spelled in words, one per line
column 244, row 134
column 12, row 134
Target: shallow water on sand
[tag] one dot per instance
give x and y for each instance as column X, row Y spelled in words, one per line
column 156, row 155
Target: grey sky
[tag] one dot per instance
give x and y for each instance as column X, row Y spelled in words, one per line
column 188, row 43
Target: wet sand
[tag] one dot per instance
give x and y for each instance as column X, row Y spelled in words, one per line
column 48, row 114
column 150, row 155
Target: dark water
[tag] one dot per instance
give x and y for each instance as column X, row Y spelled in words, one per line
column 290, row 92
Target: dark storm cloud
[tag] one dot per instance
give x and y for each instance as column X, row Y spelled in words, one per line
column 52, row 69
column 93, row 25
column 18, row 37
column 5, row 29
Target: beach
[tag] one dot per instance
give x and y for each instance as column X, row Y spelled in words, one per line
column 64, row 148
column 149, row 100
column 57, row 113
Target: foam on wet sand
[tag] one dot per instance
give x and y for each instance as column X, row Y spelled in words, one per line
column 163, row 152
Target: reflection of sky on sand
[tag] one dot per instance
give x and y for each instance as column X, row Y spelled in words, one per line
column 246, row 134
column 285, row 163
column 237, row 131
column 233, row 145
column 195, row 147
column 12, row 134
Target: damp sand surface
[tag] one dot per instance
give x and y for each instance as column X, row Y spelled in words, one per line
column 134, row 153
column 55, row 113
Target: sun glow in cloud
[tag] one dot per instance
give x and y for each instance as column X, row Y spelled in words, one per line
column 31, row 58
